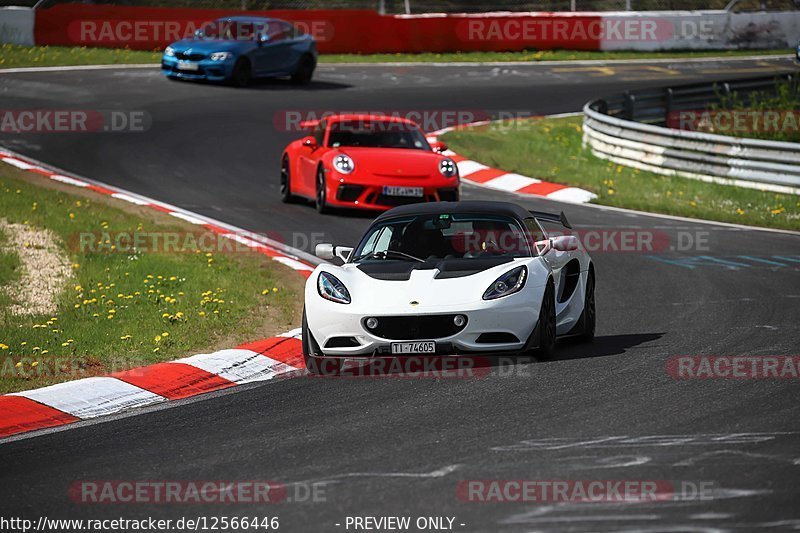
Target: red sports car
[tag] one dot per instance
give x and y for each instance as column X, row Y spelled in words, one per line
column 367, row 161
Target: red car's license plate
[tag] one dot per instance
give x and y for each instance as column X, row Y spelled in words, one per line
column 403, row 191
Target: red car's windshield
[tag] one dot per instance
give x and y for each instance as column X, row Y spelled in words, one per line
column 377, row 134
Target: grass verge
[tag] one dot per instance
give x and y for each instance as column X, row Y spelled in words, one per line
column 120, row 309
column 13, row 56
column 9, row 269
column 551, row 149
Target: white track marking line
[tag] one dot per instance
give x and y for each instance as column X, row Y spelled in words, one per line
column 572, row 195
column 238, row 365
column 92, row 397
column 510, row 182
column 187, row 218
column 128, row 198
column 68, row 180
column 291, row 263
column 467, row 167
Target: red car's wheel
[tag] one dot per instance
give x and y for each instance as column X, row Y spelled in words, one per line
column 321, row 198
column 286, row 177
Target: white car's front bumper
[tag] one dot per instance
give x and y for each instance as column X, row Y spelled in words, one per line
column 333, row 324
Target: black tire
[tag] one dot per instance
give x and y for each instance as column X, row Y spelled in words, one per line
column 286, row 177
column 589, row 315
column 242, row 73
column 547, row 324
column 316, row 364
column 305, row 70
column 321, row 197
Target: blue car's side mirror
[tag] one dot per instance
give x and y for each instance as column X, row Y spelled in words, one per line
column 262, row 38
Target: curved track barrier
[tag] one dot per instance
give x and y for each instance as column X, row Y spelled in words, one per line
column 631, row 130
column 366, row 31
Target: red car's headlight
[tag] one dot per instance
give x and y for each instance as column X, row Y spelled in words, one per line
column 448, row 168
column 343, row 164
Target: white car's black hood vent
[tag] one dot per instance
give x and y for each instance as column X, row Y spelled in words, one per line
column 389, row 270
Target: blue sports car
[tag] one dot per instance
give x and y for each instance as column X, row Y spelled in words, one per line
column 238, row 49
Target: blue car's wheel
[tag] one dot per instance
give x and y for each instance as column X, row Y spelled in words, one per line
column 242, row 73
column 305, row 70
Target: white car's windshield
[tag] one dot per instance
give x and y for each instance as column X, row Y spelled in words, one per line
column 377, row 134
column 443, row 236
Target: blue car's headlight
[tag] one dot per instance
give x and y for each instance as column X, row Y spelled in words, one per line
column 330, row 288
column 220, row 56
column 169, row 51
column 509, row 283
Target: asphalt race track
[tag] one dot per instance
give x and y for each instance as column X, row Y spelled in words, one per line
column 400, row 446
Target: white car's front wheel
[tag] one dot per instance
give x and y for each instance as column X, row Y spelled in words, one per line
column 547, row 324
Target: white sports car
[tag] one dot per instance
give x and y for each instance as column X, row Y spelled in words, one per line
column 449, row 278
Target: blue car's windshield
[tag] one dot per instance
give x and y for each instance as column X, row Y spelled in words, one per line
column 233, row 30
column 443, row 236
column 377, row 134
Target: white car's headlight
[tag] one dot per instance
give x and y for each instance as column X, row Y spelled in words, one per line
column 448, row 168
column 169, row 51
column 330, row 288
column 343, row 164
column 220, row 56
column 509, row 283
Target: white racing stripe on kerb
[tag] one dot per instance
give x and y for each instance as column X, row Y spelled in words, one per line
column 250, row 243
column 129, row 198
column 92, row 397
column 467, row 167
column 573, row 195
column 292, row 263
column 239, row 366
column 18, row 163
column 510, row 182
column 68, row 180
column 188, row 218
column 294, row 334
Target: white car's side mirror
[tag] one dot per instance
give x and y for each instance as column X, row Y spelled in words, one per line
column 329, row 251
column 325, row 251
column 542, row 247
column 565, row 243
column 343, row 252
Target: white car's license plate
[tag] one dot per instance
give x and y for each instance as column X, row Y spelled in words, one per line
column 188, row 65
column 419, row 347
column 415, row 192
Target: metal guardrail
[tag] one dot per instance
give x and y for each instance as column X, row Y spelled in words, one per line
column 630, row 129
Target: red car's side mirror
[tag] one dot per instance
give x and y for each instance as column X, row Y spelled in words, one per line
column 438, row 146
column 310, row 141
